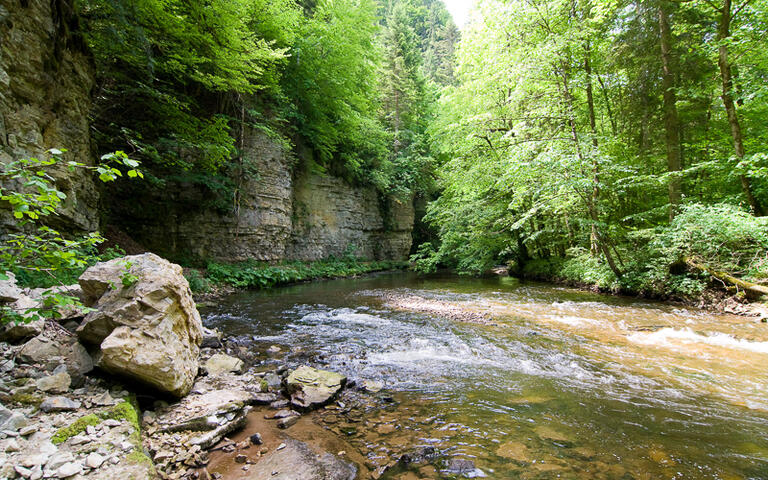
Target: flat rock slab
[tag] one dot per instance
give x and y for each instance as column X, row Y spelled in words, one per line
column 297, row 461
column 311, row 388
column 203, row 412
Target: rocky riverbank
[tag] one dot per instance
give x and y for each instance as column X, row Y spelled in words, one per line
column 133, row 386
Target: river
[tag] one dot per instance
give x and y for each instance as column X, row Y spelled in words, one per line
column 540, row 381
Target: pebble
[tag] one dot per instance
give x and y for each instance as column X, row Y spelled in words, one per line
column 94, row 460
column 27, row 430
column 111, row 423
column 13, row 446
column 79, row 440
column 69, row 469
column 281, row 446
column 241, row 458
column 126, row 445
column 24, row 472
column 256, row 439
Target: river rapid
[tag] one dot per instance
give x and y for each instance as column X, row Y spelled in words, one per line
column 527, row 380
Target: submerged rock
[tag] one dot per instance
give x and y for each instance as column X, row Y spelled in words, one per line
column 146, row 323
column 311, row 388
column 297, row 461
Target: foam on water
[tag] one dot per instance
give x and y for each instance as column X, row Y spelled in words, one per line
column 672, row 337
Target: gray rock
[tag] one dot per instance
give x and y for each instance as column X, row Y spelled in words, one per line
column 9, row 291
column 53, row 344
column 69, row 470
column 58, row 383
column 12, row 420
column 149, row 331
column 296, row 460
column 12, row 446
column 264, row 398
column 58, row 459
column 274, row 382
column 15, row 332
column 211, row 338
column 59, row 404
column 221, row 363
column 288, row 421
column 94, row 460
column 311, row 388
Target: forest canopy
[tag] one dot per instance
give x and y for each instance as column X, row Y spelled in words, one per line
column 606, row 142
column 351, row 80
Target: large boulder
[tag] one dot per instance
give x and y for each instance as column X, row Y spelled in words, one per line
column 145, row 323
column 311, row 388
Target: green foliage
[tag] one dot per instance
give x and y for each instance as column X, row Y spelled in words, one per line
column 39, row 254
column 261, row 275
column 197, row 282
column 553, row 146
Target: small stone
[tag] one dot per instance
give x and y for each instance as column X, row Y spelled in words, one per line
column 241, row 458
column 221, row 363
column 23, row 472
column 58, row 383
column 274, row 350
column 59, row 459
column 12, row 446
column 256, row 439
column 94, row 460
column 104, row 400
column 69, row 469
column 126, row 445
column 79, row 440
column 27, row 430
column 372, row 386
column 111, row 423
column 59, row 404
column 287, row 421
column 90, row 430
column 281, row 446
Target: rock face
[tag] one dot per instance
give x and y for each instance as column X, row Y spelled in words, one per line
column 145, row 323
column 310, row 387
column 286, row 213
column 45, row 84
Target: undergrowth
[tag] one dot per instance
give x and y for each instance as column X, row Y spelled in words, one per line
column 259, row 275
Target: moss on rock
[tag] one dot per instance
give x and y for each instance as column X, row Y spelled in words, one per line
column 75, row 428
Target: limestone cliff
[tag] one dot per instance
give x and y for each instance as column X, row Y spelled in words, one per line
column 45, row 98
column 284, row 212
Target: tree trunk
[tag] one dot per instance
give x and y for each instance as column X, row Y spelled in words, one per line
column 589, row 199
column 594, row 248
column 671, row 120
column 723, row 32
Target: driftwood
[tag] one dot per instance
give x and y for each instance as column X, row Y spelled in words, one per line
column 752, row 290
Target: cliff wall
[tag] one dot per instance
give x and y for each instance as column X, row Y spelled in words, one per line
column 284, row 212
column 45, row 98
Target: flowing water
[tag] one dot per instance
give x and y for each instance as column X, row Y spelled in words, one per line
column 560, row 384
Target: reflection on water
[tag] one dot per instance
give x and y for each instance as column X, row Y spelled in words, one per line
column 564, row 384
